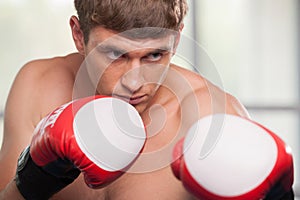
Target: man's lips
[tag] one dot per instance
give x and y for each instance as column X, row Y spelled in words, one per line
column 133, row 100
column 137, row 99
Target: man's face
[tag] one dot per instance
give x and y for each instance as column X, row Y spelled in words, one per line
column 126, row 68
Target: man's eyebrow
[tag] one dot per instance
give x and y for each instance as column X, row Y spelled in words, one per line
column 164, row 48
column 107, row 48
column 159, row 49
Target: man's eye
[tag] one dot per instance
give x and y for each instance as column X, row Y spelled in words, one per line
column 114, row 55
column 154, row 56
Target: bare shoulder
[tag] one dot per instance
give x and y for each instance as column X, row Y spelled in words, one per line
column 48, row 81
column 208, row 98
column 39, row 87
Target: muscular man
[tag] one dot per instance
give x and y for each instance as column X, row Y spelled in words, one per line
column 124, row 51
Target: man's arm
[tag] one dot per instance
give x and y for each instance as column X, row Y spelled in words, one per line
column 18, row 128
column 24, row 110
column 57, row 151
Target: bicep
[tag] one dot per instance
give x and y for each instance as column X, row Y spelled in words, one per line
column 39, row 87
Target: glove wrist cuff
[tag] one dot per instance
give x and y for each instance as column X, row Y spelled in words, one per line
column 33, row 182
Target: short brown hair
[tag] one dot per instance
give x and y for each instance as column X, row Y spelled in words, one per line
column 122, row 15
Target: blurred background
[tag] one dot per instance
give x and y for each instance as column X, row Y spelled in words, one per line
column 250, row 48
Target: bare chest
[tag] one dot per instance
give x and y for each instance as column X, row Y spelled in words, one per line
column 161, row 185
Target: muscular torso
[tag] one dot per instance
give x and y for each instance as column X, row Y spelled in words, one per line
column 151, row 176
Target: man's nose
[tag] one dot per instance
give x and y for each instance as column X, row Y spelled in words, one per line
column 133, row 79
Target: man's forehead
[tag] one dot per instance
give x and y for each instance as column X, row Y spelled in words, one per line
column 118, row 41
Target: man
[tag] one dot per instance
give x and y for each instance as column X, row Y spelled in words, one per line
column 124, row 51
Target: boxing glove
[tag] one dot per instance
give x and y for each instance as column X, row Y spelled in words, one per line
column 229, row 157
column 98, row 136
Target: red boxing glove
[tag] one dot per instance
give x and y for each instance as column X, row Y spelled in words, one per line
column 98, row 136
column 228, row 157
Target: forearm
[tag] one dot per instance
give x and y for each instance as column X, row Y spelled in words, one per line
column 11, row 192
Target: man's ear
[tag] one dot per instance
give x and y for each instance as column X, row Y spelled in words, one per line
column 77, row 34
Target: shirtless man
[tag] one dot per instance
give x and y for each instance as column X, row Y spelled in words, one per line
column 120, row 56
